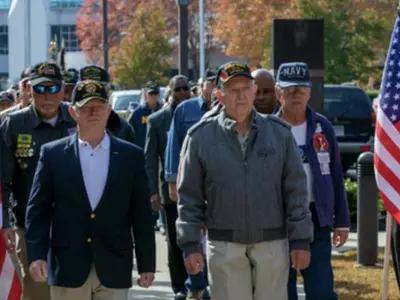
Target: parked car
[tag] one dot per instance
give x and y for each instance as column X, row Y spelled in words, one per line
column 123, row 101
column 350, row 110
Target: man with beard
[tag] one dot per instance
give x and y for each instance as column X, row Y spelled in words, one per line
column 22, row 135
column 156, row 140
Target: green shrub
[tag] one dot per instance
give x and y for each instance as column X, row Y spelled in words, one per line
column 351, row 189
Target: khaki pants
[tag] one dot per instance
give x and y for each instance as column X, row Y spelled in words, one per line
column 90, row 290
column 252, row 272
column 31, row 290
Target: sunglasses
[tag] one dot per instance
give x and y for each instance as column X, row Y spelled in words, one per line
column 181, row 89
column 42, row 89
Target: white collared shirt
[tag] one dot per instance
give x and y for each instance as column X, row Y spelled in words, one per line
column 94, row 165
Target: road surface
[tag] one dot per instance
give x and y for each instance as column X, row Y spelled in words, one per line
column 161, row 289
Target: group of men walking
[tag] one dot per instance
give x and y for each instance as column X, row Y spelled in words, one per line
column 247, row 175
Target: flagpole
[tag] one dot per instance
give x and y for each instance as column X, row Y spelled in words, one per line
column 386, row 260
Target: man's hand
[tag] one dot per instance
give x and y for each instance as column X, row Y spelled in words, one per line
column 339, row 237
column 155, row 202
column 145, row 280
column 172, row 192
column 194, row 263
column 38, row 270
column 300, row 259
column 9, row 237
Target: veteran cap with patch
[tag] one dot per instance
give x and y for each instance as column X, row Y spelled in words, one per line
column 152, row 88
column 7, row 96
column 93, row 72
column 25, row 74
column 88, row 90
column 45, row 72
column 293, row 74
column 70, row 77
column 231, row 70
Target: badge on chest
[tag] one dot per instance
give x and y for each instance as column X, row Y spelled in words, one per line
column 321, row 147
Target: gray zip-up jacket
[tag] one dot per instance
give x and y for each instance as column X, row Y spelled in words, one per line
column 251, row 198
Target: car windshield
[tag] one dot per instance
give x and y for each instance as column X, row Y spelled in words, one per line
column 346, row 102
column 122, row 101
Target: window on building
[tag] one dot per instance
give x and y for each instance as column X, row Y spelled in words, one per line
column 65, row 3
column 5, row 4
column 66, row 32
column 3, row 40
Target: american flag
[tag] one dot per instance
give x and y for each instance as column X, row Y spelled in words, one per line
column 387, row 133
column 10, row 287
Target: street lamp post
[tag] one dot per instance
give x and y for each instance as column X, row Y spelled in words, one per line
column 201, row 39
column 183, row 37
column 105, row 34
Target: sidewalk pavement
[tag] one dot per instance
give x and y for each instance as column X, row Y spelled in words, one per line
column 161, row 289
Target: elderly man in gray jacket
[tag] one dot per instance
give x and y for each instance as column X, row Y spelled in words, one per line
column 241, row 175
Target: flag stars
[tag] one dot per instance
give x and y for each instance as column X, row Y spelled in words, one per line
column 393, row 52
column 388, row 85
column 398, row 85
column 391, row 62
column 395, row 107
column 386, row 96
column 396, row 97
column 393, row 117
column 395, row 41
column 390, row 74
column 385, row 106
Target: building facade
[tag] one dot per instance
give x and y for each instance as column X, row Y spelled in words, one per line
column 26, row 29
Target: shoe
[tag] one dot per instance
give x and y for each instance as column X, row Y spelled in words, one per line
column 195, row 295
column 180, row 296
column 206, row 294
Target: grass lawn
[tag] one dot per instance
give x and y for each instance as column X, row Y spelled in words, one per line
column 361, row 283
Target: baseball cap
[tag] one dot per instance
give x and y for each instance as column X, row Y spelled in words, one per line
column 152, row 88
column 25, row 74
column 92, row 72
column 70, row 77
column 231, row 70
column 45, row 72
column 7, row 96
column 88, row 90
column 293, row 74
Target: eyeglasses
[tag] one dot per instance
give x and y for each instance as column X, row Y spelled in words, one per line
column 181, row 89
column 52, row 89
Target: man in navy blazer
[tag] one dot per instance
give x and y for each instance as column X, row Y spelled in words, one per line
column 89, row 192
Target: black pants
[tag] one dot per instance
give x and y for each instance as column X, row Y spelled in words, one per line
column 395, row 248
column 177, row 269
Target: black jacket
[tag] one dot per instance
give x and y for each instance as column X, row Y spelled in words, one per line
column 62, row 228
column 120, row 128
column 156, row 141
column 22, row 135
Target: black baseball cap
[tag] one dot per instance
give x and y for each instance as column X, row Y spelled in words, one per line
column 88, row 90
column 92, row 72
column 7, row 96
column 70, row 77
column 152, row 88
column 25, row 74
column 232, row 69
column 45, row 72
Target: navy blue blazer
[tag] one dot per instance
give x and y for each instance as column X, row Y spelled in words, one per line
column 62, row 228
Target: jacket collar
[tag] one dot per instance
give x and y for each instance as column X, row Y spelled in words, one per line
column 229, row 124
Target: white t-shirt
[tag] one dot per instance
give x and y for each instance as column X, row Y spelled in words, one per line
column 300, row 135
